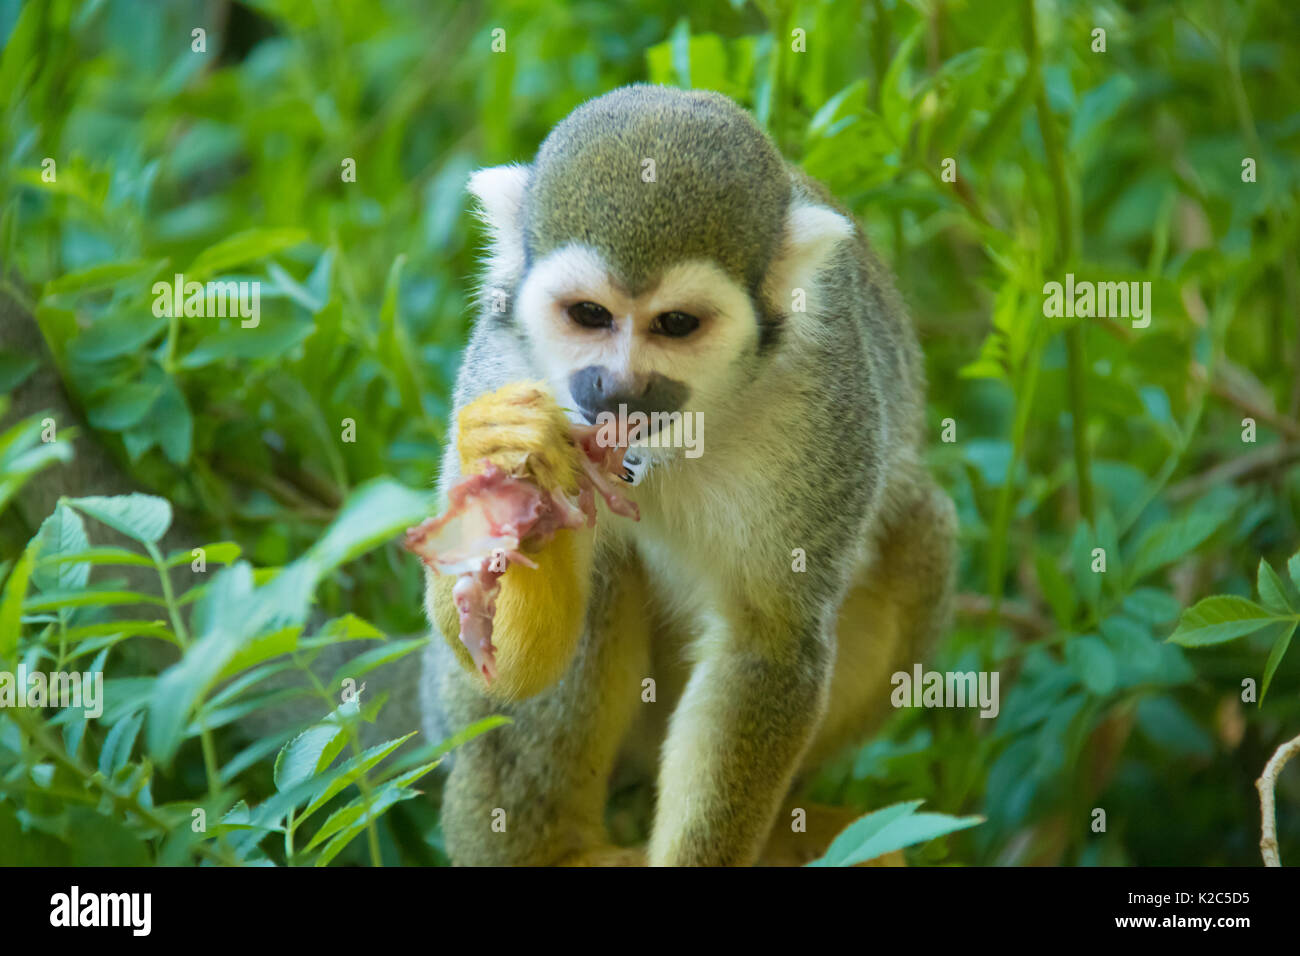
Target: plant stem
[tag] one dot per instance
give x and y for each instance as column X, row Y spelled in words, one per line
column 1268, row 815
column 363, row 779
column 210, row 766
column 1062, row 258
column 1076, row 379
column 288, row 838
column 1028, row 373
column 173, row 609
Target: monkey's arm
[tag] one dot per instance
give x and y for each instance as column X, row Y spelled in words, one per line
column 749, row 710
column 539, row 611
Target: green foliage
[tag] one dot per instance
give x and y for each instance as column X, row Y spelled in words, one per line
column 233, row 634
column 1223, row 617
column 1072, row 435
column 887, row 830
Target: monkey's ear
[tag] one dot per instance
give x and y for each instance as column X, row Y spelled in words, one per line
column 500, row 194
column 812, row 232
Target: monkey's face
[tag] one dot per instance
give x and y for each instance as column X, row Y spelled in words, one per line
column 640, row 250
column 677, row 347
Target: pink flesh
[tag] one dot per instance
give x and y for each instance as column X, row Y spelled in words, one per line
column 491, row 515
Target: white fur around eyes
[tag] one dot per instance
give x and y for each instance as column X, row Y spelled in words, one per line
column 705, row 360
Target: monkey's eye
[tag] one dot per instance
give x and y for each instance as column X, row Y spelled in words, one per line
column 590, row 315
column 674, row 324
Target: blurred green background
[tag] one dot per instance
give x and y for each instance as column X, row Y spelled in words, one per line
column 1119, row 165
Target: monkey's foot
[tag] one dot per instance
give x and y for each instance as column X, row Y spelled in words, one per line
column 606, row 856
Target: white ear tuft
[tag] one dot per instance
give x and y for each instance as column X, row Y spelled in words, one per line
column 500, row 194
column 811, row 234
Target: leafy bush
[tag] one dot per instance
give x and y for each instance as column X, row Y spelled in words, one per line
column 233, row 633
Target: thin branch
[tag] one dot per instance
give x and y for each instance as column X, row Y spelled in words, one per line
column 1285, row 425
column 1265, row 784
column 1018, row 615
column 1259, row 463
column 1062, row 257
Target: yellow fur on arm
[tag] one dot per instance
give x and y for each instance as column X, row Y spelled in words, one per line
column 540, row 611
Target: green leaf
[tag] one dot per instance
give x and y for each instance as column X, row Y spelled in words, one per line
column 270, row 340
column 350, row 771
column 124, row 407
column 435, row 752
column 262, row 648
column 1293, row 568
column 219, row 552
column 293, row 289
column 889, row 829
column 11, row 607
column 1093, row 663
column 173, row 424
column 178, row 689
column 115, row 335
column 1098, row 106
column 1165, row 543
column 396, row 350
column 20, row 57
column 1086, row 579
column 1272, row 592
column 62, row 533
column 216, row 609
column 306, row 755
column 145, row 518
column 101, row 277
column 680, row 44
column 348, row 823
column 1167, row 724
column 1152, row 605
column 89, row 637
column 114, row 556
column 1219, row 619
column 98, row 839
column 1056, row 589
column 53, row 600
column 23, row 454
column 1275, row 656
column 373, row 514
column 248, row 246
column 380, row 803
column 894, row 100
column 375, row 657
column 821, row 120
column 118, row 744
column 345, row 627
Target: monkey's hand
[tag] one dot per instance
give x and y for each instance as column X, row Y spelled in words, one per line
column 520, row 429
column 527, row 488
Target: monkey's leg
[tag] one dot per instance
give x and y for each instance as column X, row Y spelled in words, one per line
column 748, row 712
column 534, row 792
column 891, row 618
column 888, row 621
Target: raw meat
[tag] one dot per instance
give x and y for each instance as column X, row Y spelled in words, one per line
column 492, row 516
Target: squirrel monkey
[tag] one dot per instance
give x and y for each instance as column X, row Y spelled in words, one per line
column 659, row 256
